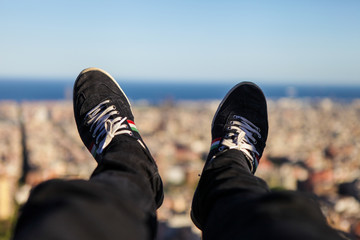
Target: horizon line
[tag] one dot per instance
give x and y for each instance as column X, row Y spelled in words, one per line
column 169, row 81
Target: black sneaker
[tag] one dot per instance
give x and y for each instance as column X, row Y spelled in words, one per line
column 102, row 111
column 241, row 123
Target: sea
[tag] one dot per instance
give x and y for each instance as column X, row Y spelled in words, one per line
column 159, row 92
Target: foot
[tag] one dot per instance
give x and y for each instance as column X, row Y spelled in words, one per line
column 241, row 123
column 102, row 111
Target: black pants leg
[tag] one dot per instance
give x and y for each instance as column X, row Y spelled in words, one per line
column 118, row 202
column 231, row 203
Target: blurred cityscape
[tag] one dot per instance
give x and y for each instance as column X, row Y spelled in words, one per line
column 313, row 146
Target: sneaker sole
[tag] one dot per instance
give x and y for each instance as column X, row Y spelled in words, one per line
column 230, row 92
column 94, row 69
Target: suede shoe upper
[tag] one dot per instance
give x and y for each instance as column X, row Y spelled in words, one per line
column 241, row 123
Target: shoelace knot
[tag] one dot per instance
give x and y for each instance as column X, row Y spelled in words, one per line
column 105, row 123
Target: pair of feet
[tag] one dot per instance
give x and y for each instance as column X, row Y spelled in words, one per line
column 103, row 112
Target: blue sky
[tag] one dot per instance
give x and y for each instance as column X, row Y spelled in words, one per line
column 311, row 41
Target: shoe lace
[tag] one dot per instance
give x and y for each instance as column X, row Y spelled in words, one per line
column 105, row 124
column 241, row 136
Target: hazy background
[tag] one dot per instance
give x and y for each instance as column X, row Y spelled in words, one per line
column 294, row 50
column 268, row 41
